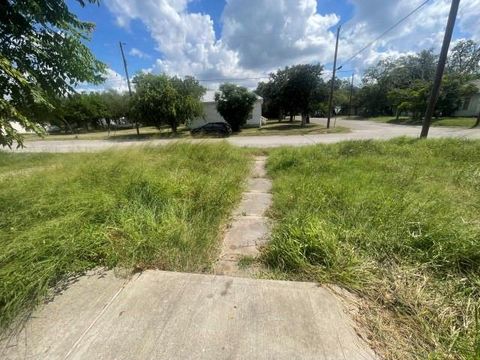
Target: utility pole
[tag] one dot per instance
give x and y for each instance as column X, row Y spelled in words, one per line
column 128, row 79
column 330, row 101
column 351, row 94
column 440, row 68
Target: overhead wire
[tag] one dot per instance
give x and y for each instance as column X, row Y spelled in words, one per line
column 385, row 33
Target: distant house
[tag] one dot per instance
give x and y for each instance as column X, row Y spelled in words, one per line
column 470, row 104
column 211, row 114
column 19, row 128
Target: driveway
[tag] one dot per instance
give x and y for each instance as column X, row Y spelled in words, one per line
column 360, row 130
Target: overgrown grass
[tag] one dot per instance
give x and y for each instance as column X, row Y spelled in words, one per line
column 137, row 208
column 465, row 122
column 397, row 222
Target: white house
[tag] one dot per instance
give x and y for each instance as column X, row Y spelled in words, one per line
column 19, row 128
column 211, row 114
column 471, row 104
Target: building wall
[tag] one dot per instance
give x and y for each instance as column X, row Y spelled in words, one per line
column 470, row 109
column 212, row 115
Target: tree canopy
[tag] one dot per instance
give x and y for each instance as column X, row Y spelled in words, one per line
column 399, row 85
column 235, row 103
column 161, row 99
column 295, row 89
column 42, row 57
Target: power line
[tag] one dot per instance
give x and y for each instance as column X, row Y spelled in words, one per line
column 385, row 32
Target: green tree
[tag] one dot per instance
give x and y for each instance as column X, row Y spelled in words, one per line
column 117, row 106
column 464, row 59
column 160, row 99
column 235, row 103
column 403, row 84
column 295, row 89
column 271, row 106
column 300, row 87
column 43, row 56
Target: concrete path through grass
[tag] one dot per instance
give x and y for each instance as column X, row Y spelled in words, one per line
column 165, row 315
column 249, row 229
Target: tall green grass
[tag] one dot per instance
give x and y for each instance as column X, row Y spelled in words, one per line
column 137, row 208
column 399, row 223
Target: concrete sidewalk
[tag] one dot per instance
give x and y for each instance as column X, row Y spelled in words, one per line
column 165, row 315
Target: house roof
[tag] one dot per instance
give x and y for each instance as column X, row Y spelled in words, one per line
column 209, row 96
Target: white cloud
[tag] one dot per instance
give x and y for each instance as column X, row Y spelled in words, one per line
column 187, row 41
column 270, row 33
column 139, row 53
column 260, row 36
column 422, row 30
column 113, row 81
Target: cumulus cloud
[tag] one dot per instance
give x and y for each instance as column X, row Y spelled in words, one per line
column 422, row 30
column 271, row 33
column 138, row 53
column 259, row 36
column 186, row 40
column 113, row 81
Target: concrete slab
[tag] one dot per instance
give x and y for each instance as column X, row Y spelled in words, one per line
column 163, row 315
column 253, row 204
column 259, row 170
column 249, row 229
column 259, row 185
column 55, row 328
column 246, row 231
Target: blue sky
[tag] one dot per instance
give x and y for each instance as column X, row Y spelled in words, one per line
column 250, row 38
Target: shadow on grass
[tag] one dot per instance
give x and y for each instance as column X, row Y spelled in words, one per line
column 181, row 134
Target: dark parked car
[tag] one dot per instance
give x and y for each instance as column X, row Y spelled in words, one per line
column 216, row 128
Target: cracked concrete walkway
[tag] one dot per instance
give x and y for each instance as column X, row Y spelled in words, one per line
column 250, row 227
column 166, row 315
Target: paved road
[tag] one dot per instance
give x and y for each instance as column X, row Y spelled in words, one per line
column 165, row 315
column 361, row 130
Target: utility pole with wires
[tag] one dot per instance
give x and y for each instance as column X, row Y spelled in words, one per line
column 128, row 80
column 440, row 68
column 330, row 100
column 351, row 94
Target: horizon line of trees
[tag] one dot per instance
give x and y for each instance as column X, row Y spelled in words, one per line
column 393, row 86
column 157, row 100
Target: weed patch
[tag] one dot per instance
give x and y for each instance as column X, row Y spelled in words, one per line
column 137, row 208
column 397, row 223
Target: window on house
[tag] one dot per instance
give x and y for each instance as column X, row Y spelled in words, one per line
column 466, row 103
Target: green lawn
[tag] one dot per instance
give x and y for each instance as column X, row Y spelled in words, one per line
column 152, row 133
column 466, row 122
column 396, row 222
column 138, row 208
column 289, row 128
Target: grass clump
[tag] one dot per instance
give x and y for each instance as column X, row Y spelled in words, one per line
column 453, row 121
column 137, row 208
column 397, row 222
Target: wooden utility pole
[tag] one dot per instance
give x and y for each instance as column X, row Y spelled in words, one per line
column 128, row 80
column 330, row 101
column 440, row 68
column 351, row 94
